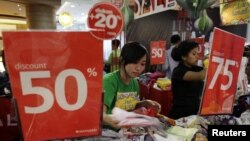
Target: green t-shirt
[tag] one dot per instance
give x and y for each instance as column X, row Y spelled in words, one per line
column 119, row 94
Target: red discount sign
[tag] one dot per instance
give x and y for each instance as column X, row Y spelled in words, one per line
column 157, row 52
column 222, row 75
column 105, row 21
column 201, row 49
column 56, row 78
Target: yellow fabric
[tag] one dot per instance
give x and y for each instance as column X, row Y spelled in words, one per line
column 163, row 83
column 127, row 101
column 206, row 62
column 187, row 133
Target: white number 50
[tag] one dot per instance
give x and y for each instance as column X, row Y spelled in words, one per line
column 47, row 95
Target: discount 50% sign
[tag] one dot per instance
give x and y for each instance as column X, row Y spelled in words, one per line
column 157, row 52
column 105, row 21
column 56, row 78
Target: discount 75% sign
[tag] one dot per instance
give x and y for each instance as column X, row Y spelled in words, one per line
column 105, row 21
column 56, row 78
column 157, row 52
column 222, row 74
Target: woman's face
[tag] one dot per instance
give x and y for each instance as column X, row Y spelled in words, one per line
column 134, row 70
column 192, row 57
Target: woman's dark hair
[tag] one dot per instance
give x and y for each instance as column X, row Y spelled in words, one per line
column 175, row 39
column 132, row 52
column 116, row 42
column 183, row 49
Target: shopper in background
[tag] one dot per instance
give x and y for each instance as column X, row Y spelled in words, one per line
column 113, row 59
column 170, row 63
column 9, row 130
column 121, row 89
column 5, row 90
column 187, row 80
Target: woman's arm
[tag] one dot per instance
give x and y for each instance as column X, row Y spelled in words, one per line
column 108, row 119
column 195, row 76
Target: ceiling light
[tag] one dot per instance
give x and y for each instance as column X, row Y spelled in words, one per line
column 65, row 19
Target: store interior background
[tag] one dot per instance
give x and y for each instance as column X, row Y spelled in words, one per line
column 44, row 15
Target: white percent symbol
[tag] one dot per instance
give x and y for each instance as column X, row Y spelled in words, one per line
column 92, row 72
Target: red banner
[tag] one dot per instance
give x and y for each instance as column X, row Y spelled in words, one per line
column 157, row 52
column 201, row 42
column 222, row 75
column 56, row 78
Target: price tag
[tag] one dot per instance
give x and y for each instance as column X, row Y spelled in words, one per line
column 222, row 73
column 56, row 78
column 201, row 49
column 157, row 52
column 105, row 21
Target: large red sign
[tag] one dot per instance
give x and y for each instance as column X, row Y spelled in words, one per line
column 222, row 75
column 56, row 78
column 105, row 21
column 157, row 52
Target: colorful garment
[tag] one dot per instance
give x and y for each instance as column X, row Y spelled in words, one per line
column 119, row 94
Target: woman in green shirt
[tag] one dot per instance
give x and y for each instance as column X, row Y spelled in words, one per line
column 120, row 88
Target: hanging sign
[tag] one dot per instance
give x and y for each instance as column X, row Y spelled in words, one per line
column 105, row 21
column 56, row 78
column 222, row 73
column 157, row 52
column 143, row 8
column 201, row 49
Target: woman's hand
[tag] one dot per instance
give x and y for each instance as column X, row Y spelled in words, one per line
column 149, row 104
column 109, row 120
column 171, row 121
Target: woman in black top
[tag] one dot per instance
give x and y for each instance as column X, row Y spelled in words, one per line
column 187, row 80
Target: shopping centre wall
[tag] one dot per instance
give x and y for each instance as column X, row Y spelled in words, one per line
column 152, row 28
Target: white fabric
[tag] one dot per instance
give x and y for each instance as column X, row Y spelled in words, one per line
column 127, row 119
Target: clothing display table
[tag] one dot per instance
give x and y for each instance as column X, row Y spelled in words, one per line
column 165, row 98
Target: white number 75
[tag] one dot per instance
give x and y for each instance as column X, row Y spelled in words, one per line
column 226, row 72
